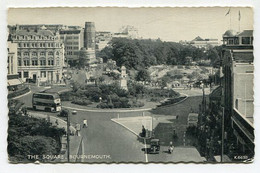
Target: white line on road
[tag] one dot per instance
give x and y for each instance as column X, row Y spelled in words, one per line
column 146, row 157
column 21, row 95
column 83, row 152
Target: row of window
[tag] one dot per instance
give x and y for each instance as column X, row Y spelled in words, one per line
column 39, row 45
column 71, row 53
column 72, row 43
column 35, row 53
column 33, row 37
column 34, row 62
column 71, row 48
column 244, row 40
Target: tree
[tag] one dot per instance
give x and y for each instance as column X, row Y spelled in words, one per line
column 143, row 75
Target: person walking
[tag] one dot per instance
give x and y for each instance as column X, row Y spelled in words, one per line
column 85, row 123
column 77, row 129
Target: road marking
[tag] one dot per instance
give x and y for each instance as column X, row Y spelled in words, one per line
column 21, row 95
column 146, row 157
column 83, row 152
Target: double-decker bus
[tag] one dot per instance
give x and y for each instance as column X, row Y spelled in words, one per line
column 46, row 101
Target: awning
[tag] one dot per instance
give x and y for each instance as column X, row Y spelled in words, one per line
column 13, row 82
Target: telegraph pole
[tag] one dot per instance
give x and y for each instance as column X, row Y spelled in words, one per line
column 68, row 136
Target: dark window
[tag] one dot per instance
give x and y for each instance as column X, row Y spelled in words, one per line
column 25, row 74
column 245, row 40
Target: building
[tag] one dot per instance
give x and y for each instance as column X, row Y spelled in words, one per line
column 40, row 54
column 201, row 43
column 13, row 80
column 89, row 56
column 102, row 39
column 238, row 70
column 90, row 35
column 72, row 37
column 128, row 31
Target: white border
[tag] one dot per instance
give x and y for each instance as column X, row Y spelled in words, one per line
column 208, row 168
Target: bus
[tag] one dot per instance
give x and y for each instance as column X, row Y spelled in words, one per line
column 46, row 101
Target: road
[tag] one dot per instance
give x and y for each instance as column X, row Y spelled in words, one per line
column 104, row 137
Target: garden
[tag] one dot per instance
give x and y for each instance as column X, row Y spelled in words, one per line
column 112, row 96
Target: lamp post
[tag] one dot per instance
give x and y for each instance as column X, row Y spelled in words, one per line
column 222, row 133
column 68, row 135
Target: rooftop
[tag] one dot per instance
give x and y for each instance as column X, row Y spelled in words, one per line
column 38, row 32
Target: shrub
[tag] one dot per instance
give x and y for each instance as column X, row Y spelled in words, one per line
column 81, row 101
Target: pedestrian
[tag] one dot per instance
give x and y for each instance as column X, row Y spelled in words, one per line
column 77, row 129
column 85, row 123
column 170, row 150
column 143, row 131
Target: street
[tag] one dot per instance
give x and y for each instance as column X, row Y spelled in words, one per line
column 104, row 137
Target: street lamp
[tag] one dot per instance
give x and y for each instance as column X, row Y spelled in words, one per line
column 68, row 135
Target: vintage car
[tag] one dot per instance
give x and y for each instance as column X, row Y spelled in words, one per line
column 154, row 146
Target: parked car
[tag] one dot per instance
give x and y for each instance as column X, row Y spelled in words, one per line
column 155, row 146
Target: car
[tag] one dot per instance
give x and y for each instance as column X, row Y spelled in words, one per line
column 154, row 146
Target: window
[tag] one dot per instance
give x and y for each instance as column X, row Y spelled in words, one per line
column 34, row 54
column 230, row 41
column 19, row 53
column 34, row 62
column 26, row 74
column 42, row 61
column 50, row 61
column 20, row 74
column 26, row 62
column 42, row 53
column 57, row 53
column 50, row 53
column 245, row 40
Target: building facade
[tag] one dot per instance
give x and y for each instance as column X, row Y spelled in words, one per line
column 238, row 70
column 72, row 37
column 13, row 80
column 40, row 55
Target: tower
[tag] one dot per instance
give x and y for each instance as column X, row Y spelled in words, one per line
column 89, row 35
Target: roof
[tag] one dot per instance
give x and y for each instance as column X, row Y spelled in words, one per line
column 230, row 33
column 246, row 33
column 39, row 32
column 198, row 39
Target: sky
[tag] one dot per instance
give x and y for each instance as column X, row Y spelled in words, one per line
column 168, row 24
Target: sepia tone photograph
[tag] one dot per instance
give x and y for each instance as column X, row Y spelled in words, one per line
column 130, row 85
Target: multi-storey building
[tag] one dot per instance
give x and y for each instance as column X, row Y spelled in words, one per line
column 72, row 37
column 238, row 70
column 40, row 54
